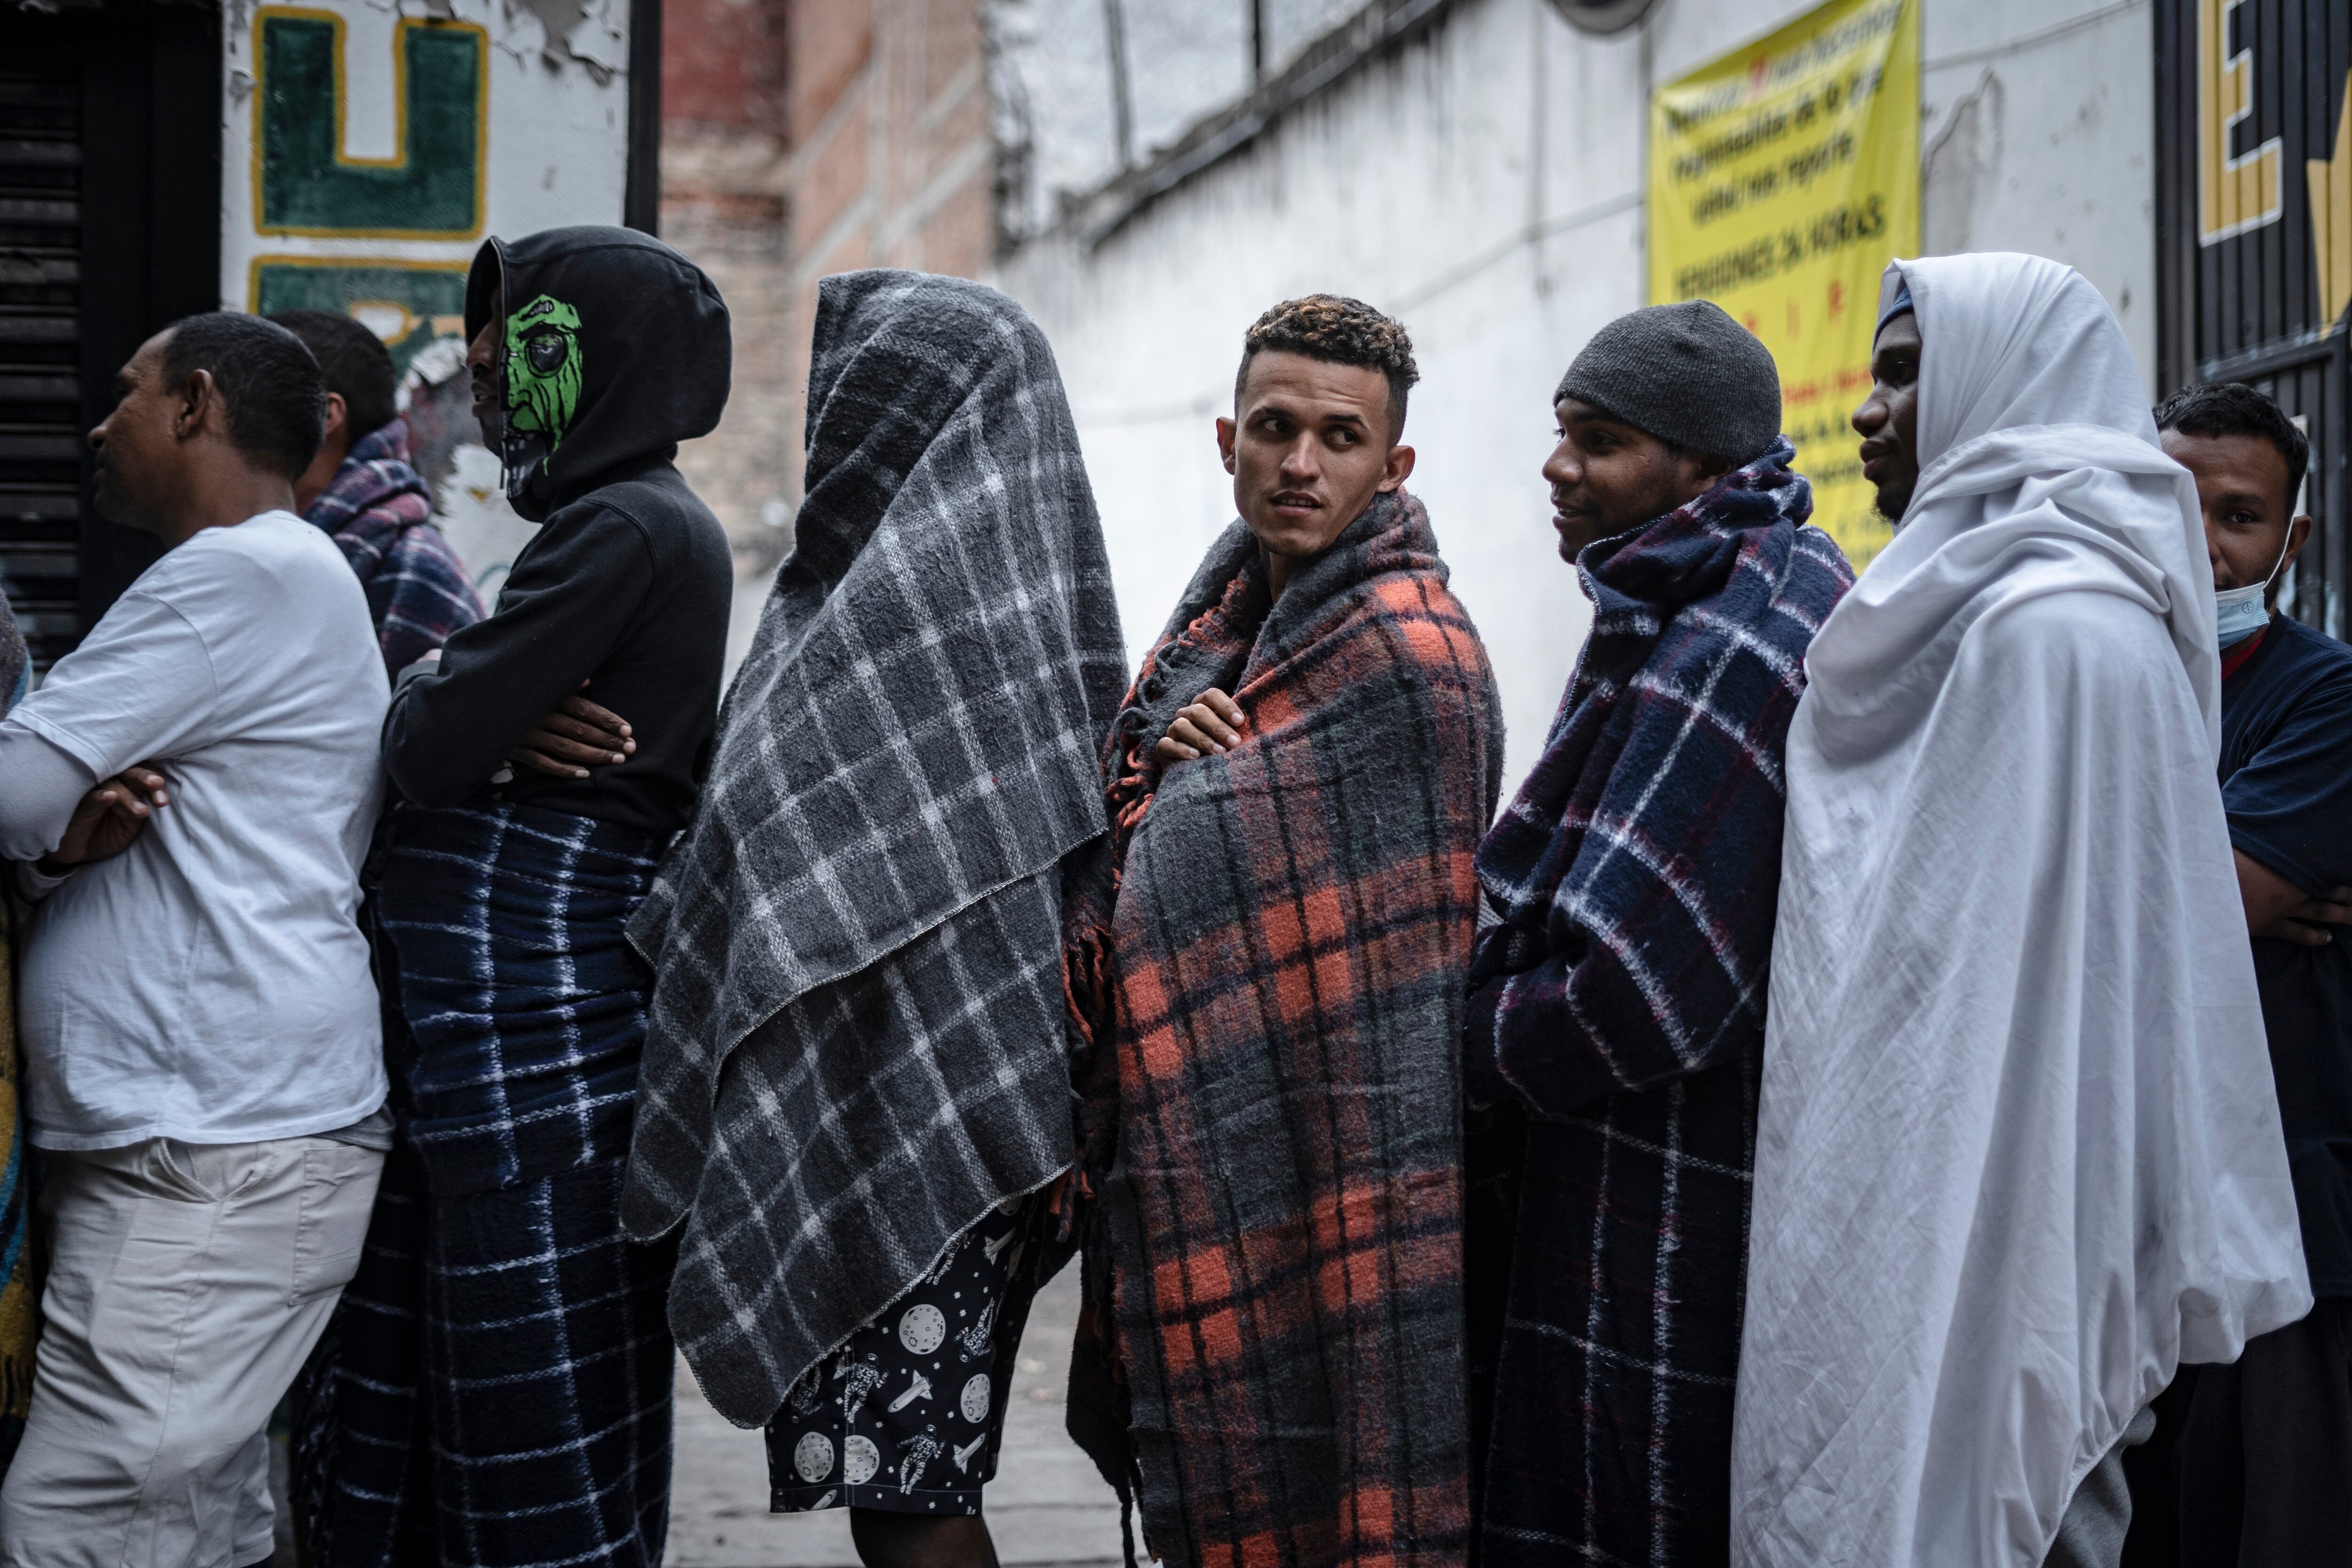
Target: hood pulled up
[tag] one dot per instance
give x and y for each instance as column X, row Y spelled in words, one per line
column 615, row 348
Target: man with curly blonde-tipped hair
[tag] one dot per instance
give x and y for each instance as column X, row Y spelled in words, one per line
column 1269, row 979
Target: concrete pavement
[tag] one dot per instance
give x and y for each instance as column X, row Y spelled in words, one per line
column 1046, row 1506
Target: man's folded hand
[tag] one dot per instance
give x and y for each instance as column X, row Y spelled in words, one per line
column 1213, row 723
column 2307, row 923
column 112, row 814
column 577, row 735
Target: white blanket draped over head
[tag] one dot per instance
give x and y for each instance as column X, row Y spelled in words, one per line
column 2019, row 1150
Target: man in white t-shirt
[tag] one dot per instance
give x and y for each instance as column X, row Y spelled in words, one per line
column 189, row 795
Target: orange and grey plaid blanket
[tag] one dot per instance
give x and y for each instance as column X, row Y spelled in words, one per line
column 1272, row 979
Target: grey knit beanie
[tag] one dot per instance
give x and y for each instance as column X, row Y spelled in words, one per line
column 1686, row 373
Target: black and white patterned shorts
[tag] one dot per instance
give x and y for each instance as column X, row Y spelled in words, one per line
column 907, row 1415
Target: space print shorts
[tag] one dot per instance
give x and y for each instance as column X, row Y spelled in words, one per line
column 906, row 1415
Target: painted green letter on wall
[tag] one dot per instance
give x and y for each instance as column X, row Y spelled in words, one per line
column 407, row 306
column 430, row 189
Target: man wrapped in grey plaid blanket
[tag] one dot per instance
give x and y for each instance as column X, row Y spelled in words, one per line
column 857, row 1031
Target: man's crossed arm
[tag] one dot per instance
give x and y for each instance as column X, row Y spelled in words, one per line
column 575, row 736
column 2277, row 907
column 108, row 818
column 55, row 814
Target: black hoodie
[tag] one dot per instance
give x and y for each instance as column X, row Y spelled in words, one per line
column 615, row 348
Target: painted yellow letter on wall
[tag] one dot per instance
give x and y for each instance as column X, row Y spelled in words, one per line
column 2233, row 194
column 2331, row 216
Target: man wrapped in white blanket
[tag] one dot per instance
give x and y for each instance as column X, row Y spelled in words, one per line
column 2018, row 1152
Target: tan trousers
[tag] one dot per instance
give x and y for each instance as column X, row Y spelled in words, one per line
column 187, row 1283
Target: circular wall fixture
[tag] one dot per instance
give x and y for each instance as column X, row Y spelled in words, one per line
column 1602, row 15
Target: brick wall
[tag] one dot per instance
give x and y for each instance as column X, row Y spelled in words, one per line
column 800, row 138
column 723, row 65
column 885, row 110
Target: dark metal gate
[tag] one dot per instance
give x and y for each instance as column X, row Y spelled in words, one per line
column 2254, row 235
column 40, row 338
column 110, row 227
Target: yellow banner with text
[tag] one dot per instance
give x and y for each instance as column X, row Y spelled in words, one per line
column 1783, row 177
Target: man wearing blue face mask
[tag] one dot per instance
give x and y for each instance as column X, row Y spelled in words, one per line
column 2252, row 1463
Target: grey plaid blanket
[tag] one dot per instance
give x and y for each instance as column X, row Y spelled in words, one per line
column 857, row 1044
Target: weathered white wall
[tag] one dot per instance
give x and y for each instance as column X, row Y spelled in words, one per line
column 2039, row 134
column 559, row 123
column 1485, row 186
column 1416, row 186
column 1185, row 59
column 554, row 151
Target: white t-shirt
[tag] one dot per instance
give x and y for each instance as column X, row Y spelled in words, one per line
column 210, row 982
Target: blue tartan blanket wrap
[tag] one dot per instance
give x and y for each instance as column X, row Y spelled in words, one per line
column 525, row 1001
column 495, row 1387
column 1616, row 1031
column 380, row 514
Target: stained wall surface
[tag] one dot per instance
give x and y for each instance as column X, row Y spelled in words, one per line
column 1484, row 184
column 726, row 165
column 367, row 152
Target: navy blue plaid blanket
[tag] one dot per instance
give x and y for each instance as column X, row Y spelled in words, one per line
column 495, row 1388
column 380, row 514
column 1616, row 1031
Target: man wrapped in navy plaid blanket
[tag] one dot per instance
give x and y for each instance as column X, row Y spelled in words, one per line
column 361, row 489
column 1616, row 1021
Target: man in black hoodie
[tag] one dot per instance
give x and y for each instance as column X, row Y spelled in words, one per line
column 500, row 1391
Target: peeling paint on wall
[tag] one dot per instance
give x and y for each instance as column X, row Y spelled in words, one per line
column 1961, row 166
column 369, row 148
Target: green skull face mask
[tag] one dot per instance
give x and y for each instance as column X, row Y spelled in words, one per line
column 543, row 371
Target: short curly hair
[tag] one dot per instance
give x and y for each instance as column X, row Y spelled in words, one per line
column 1341, row 331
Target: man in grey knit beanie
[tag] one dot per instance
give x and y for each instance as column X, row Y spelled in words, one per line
column 1661, row 405
column 1686, row 373
column 1614, row 1027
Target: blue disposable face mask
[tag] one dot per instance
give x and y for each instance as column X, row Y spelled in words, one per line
column 2239, row 613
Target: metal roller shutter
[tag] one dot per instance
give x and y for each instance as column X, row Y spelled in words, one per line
column 40, row 347
column 2251, row 269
